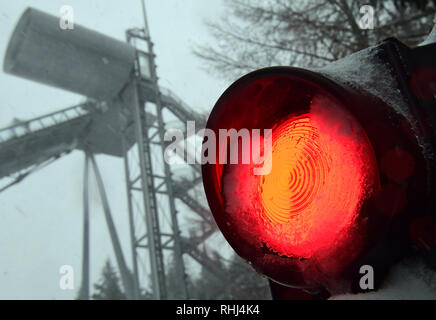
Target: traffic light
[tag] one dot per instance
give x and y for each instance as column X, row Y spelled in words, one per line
column 352, row 168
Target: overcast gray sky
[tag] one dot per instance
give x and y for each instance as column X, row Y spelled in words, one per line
column 40, row 218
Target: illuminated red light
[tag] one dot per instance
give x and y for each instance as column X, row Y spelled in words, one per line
column 299, row 170
column 344, row 171
column 323, row 168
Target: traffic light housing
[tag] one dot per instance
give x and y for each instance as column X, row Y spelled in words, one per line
column 352, row 168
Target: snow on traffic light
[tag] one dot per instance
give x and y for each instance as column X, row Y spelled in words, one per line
column 351, row 167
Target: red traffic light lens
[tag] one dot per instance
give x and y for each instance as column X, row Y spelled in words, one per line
column 351, row 167
column 323, row 168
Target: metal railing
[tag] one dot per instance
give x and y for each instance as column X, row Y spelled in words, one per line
column 22, row 127
column 187, row 109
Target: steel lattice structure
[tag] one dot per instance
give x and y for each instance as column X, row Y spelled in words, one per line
column 131, row 125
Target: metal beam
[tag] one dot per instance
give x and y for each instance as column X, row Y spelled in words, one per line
column 124, row 272
column 136, row 288
column 150, row 214
column 84, row 288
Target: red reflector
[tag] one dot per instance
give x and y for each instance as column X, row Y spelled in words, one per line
column 308, row 219
column 299, row 170
column 323, row 168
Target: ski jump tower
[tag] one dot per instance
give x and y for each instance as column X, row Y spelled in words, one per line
column 125, row 115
